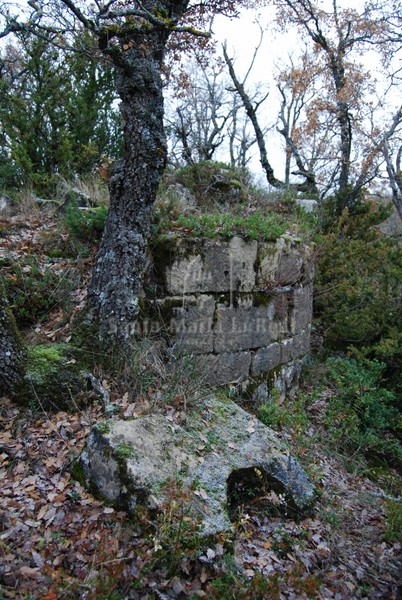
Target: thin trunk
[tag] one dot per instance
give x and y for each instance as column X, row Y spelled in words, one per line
column 309, row 184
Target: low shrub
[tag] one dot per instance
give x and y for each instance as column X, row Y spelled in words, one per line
column 358, row 416
column 31, row 289
column 361, row 415
column 216, row 181
column 85, row 225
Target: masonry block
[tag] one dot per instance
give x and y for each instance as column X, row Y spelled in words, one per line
column 228, row 367
column 214, row 266
column 240, row 328
column 266, row 359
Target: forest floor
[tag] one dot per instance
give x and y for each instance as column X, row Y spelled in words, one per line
column 59, row 541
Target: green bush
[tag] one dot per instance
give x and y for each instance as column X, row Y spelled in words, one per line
column 361, row 415
column 85, row 225
column 358, row 288
column 31, row 289
column 214, row 180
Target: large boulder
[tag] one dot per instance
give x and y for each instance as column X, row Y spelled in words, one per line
column 221, row 454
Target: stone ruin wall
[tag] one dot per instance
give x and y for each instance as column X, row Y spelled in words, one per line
column 242, row 309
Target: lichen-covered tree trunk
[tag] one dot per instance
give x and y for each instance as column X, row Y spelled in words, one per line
column 11, row 352
column 117, row 275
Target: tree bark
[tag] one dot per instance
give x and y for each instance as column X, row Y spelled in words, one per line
column 11, row 352
column 117, row 275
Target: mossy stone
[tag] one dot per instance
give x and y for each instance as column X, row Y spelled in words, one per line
column 54, row 376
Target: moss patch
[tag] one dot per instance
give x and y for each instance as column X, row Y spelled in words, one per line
column 54, row 376
column 78, row 474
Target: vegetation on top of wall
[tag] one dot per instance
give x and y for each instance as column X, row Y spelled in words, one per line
column 216, row 181
column 214, row 199
column 256, row 226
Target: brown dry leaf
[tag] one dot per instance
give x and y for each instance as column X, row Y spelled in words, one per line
column 29, row 572
column 42, row 512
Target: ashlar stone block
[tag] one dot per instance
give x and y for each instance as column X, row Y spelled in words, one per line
column 301, row 343
column 240, row 328
column 266, row 359
column 228, row 367
column 214, row 266
column 190, row 325
column 303, row 308
column 284, row 262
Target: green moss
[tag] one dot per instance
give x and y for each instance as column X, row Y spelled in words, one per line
column 54, row 376
column 103, row 427
column 77, row 472
column 44, row 361
column 123, row 452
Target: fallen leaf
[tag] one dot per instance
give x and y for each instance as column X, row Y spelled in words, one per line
column 37, row 559
column 29, row 572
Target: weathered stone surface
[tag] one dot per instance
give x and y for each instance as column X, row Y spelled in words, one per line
column 301, row 343
column 227, row 367
column 284, row 263
column 214, row 266
column 280, row 263
column 239, row 328
column 286, row 378
column 291, row 374
column 266, row 359
column 130, row 461
column 233, row 300
column 286, row 351
column 184, row 199
column 303, row 308
column 191, row 325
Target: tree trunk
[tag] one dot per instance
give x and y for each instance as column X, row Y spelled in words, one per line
column 11, row 353
column 117, row 275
